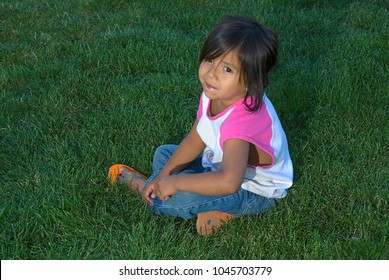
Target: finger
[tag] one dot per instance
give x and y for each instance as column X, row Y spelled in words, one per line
column 156, row 192
column 148, row 200
column 146, row 196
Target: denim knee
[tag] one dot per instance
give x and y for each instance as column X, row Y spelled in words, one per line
column 162, row 155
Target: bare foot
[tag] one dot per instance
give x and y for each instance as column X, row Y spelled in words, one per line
column 132, row 180
column 208, row 222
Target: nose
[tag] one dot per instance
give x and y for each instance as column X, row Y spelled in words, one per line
column 211, row 71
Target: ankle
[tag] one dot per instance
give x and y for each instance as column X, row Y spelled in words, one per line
column 137, row 184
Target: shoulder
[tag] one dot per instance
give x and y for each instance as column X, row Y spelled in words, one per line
column 241, row 119
column 255, row 127
column 203, row 104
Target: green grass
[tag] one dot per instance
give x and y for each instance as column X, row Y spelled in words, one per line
column 86, row 84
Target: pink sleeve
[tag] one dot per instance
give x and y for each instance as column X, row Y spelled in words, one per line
column 241, row 126
column 200, row 108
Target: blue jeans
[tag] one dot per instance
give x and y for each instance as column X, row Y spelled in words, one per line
column 187, row 205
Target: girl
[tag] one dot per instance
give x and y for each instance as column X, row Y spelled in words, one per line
column 235, row 159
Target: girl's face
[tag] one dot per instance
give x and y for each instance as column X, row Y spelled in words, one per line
column 221, row 80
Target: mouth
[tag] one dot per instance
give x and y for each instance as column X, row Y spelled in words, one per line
column 209, row 86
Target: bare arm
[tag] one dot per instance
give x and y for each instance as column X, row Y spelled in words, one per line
column 225, row 181
column 187, row 151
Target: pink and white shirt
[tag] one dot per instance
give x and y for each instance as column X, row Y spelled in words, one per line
column 263, row 129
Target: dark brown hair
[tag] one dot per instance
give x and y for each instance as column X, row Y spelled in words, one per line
column 256, row 47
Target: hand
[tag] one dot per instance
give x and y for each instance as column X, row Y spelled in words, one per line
column 147, row 191
column 162, row 187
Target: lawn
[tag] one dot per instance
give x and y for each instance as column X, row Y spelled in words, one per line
column 86, row 84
